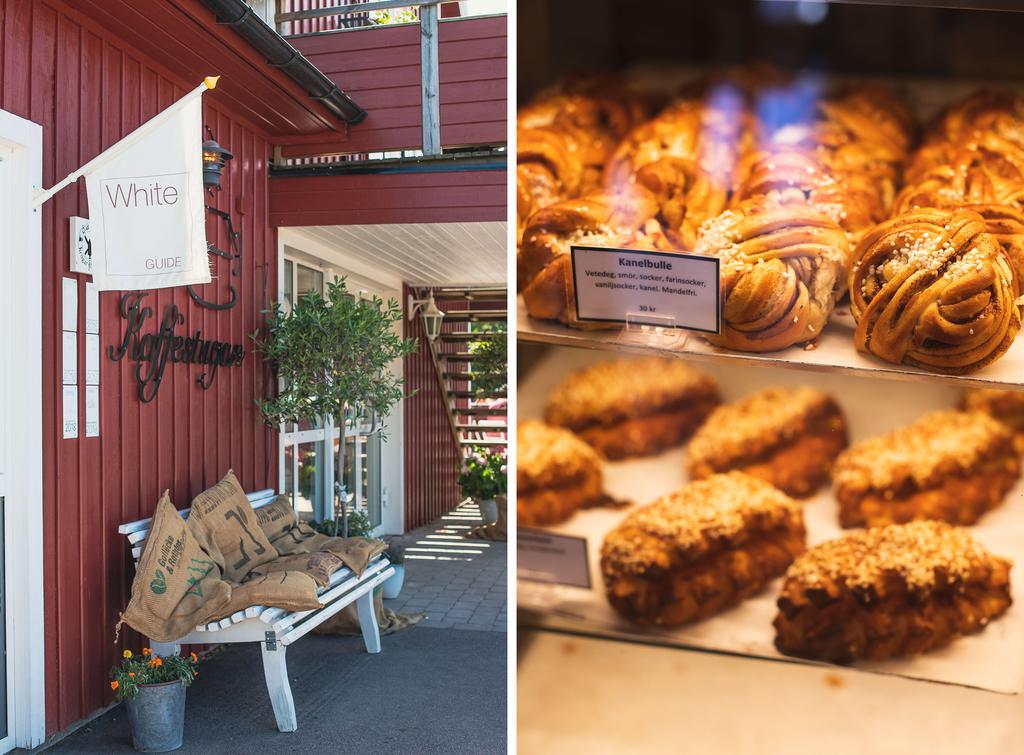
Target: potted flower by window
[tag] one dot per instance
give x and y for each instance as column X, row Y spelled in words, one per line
column 153, row 688
column 484, row 477
column 396, row 555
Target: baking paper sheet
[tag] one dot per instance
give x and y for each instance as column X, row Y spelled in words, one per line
column 992, row 659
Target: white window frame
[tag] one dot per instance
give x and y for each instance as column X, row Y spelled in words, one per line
column 329, row 432
column 21, row 281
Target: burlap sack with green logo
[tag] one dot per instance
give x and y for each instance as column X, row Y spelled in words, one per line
column 291, row 537
column 224, row 523
column 177, row 585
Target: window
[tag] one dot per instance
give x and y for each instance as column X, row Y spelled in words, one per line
column 300, row 279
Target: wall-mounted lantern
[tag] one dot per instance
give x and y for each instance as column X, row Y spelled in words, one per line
column 214, row 158
column 432, row 316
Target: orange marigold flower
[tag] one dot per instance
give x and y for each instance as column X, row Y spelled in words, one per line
column 147, row 652
column 131, row 674
column 194, row 657
column 114, row 685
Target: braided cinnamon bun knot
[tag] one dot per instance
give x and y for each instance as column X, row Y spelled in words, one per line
column 934, row 289
column 544, row 256
column 790, row 173
column 978, row 173
column 784, row 264
column 548, row 169
column 687, row 196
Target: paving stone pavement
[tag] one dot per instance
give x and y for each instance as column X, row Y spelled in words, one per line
column 459, row 582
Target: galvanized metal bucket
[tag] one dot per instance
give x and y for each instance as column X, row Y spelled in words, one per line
column 157, row 717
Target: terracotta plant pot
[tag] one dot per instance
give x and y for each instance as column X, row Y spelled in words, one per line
column 157, row 717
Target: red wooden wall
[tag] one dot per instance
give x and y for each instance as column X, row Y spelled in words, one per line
column 380, row 69
column 87, row 92
column 432, row 456
column 353, row 199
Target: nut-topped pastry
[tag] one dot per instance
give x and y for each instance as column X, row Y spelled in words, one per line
column 556, row 474
column 932, row 288
column 1005, row 406
column 697, row 551
column 889, row 591
column 787, row 436
column 633, row 407
column 947, row 465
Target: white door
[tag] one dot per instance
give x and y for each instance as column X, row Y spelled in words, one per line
column 6, row 740
column 21, row 544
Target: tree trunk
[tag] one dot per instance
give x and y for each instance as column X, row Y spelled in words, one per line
column 339, row 484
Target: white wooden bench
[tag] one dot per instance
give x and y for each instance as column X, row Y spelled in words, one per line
column 277, row 628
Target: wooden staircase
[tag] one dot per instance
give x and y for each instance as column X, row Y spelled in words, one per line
column 471, row 315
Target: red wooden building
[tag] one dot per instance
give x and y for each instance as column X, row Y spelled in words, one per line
column 310, row 198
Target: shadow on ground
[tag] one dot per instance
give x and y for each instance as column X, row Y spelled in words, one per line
column 429, row 691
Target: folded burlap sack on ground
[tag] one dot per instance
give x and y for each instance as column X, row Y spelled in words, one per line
column 346, row 621
column 291, row 537
column 177, row 585
column 224, row 523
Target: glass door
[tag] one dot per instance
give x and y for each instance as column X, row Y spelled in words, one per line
column 362, row 468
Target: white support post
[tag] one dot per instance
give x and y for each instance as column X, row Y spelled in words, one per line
column 431, row 81
column 275, row 669
column 368, row 622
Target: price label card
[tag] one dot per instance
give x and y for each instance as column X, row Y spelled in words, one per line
column 639, row 286
column 557, row 559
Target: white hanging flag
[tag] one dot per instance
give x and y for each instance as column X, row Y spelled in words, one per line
column 147, row 213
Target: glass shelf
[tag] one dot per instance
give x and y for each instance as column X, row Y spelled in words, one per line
column 833, row 351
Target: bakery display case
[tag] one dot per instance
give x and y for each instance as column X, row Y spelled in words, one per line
column 771, row 391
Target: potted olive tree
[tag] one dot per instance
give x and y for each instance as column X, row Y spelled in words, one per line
column 154, row 690
column 332, row 356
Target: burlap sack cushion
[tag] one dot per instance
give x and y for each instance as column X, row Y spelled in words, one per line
column 290, row 537
column 225, row 525
column 292, row 590
column 276, row 518
column 177, row 586
column 320, row 566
